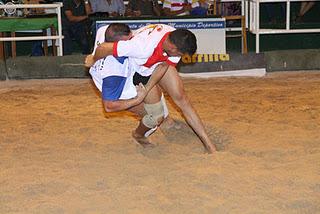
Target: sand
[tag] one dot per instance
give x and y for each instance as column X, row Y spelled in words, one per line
column 60, row 153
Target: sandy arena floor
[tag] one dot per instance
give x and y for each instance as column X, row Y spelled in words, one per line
column 60, row 153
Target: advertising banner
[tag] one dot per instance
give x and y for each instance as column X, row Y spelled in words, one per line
column 210, row 32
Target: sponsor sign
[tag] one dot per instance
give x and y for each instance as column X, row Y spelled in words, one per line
column 200, row 63
column 198, row 58
column 210, row 32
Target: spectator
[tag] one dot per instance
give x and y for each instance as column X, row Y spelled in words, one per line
column 227, row 8
column 179, row 7
column 304, row 8
column 202, row 9
column 232, row 9
column 143, row 8
column 75, row 25
column 113, row 7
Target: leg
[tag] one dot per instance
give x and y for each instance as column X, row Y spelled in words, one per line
column 81, row 36
column 67, row 41
column 172, row 84
column 168, row 122
column 305, row 7
column 152, row 118
column 141, row 112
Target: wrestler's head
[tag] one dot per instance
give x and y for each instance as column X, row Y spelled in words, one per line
column 117, row 31
column 180, row 42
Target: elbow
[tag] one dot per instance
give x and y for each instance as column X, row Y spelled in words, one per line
column 70, row 19
column 108, row 106
column 108, row 110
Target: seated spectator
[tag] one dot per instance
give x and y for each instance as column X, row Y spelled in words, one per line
column 143, row 8
column 75, row 25
column 304, row 8
column 179, row 7
column 230, row 8
column 114, row 8
column 202, row 9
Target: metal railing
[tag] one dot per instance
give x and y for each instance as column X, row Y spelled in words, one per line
column 58, row 37
column 254, row 20
column 216, row 5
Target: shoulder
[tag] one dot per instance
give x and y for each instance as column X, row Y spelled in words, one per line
column 167, row 28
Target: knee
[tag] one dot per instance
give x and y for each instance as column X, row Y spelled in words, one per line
column 180, row 98
column 154, row 116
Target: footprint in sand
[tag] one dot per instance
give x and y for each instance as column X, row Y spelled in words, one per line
column 182, row 134
column 153, row 152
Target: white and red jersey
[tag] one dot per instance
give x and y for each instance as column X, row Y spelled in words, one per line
column 145, row 48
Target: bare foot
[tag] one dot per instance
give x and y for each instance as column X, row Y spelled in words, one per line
column 169, row 123
column 143, row 141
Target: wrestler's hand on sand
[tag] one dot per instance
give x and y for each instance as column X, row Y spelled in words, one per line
column 89, row 61
column 141, row 92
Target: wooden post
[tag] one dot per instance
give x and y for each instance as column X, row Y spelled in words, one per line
column 45, row 43
column 244, row 35
column 244, row 48
column 53, row 33
column 13, row 46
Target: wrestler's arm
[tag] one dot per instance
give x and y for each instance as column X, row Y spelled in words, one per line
column 121, row 105
column 103, row 50
column 173, row 85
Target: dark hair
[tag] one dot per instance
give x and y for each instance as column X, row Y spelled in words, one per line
column 185, row 41
column 115, row 31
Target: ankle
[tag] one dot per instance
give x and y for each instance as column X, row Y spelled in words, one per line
column 135, row 134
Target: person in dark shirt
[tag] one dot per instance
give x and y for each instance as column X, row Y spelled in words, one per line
column 113, row 8
column 75, row 25
column 143, row 8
